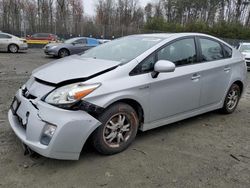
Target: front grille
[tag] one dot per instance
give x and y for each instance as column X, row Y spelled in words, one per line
column 248, row 64
column 247, row 59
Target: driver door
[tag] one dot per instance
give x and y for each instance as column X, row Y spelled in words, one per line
column 176, row 92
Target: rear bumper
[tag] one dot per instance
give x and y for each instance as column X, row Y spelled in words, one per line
column 73, row 128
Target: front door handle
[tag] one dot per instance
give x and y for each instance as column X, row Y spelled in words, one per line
column 196, row 77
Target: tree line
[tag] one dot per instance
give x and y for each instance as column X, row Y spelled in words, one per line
column 223, row 18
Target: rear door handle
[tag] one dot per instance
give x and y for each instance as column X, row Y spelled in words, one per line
column 196, row 77
column 227, row 69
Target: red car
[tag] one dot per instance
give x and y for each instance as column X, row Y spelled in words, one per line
column 43, row 36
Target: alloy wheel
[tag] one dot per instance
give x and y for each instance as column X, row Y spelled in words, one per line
column 117, row 130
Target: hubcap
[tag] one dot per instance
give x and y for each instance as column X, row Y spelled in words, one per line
column 64, row 53
column 232, row 99
column 117, row 130
column 13, row 48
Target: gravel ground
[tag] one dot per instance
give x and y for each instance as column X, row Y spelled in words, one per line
column 211, row 150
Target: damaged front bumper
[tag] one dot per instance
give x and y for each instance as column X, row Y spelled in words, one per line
column 73, row 128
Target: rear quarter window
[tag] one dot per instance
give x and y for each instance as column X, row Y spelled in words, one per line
column 228, row 52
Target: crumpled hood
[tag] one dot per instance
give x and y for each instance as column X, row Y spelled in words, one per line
column 72, row 68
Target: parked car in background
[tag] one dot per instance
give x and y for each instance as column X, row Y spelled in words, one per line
column 244, row 48
column 43, row 36
column 12, row 43
column 71, row 46
column 110, row 92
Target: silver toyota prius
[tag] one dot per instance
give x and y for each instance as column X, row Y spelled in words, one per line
column 110, row 92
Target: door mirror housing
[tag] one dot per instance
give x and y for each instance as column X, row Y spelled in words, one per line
column 163, row 66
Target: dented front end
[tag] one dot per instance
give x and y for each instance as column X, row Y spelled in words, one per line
column 48, row 130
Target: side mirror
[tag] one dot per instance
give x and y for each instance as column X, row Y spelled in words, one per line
column 163, row 66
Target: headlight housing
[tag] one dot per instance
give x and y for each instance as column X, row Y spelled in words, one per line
column 70, row 94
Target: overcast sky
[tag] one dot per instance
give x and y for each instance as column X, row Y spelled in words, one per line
column 89, row 5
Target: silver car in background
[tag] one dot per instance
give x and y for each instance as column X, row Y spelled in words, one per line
column 69, row 47
column 110, row 92
column 244, row 48
column 12, row 43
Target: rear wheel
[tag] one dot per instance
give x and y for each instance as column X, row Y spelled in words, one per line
column 118, row 130
column 63, row 53
column 232, row 99
column 13, row 48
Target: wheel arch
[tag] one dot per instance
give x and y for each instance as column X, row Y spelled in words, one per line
column 240, row 84
column 13, row 44
column 134, row 104
column 64, row 48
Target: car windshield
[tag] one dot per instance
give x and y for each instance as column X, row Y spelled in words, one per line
column 124, row 49
column 70, row 41
column 245, row 48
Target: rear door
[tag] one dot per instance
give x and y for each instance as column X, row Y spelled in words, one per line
column 217, row 61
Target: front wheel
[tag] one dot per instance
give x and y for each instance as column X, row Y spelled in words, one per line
column 118, row 130
column 232, row 99
column 13, row 48
column 63, row 53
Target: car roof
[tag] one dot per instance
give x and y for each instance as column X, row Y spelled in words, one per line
column 6, row 34
column 167, row 35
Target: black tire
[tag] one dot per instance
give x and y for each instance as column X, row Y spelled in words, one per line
column 231, row 104
column 13, row 48
column 108, row 146
column 63, row 53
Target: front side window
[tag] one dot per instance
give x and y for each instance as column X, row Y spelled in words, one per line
column 211, row 50
column 180, row 53
column 145, row 66
column 81, row 41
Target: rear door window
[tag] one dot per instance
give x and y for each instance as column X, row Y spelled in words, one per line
column 211, row 50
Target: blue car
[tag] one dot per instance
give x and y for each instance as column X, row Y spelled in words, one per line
column 72, row 46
